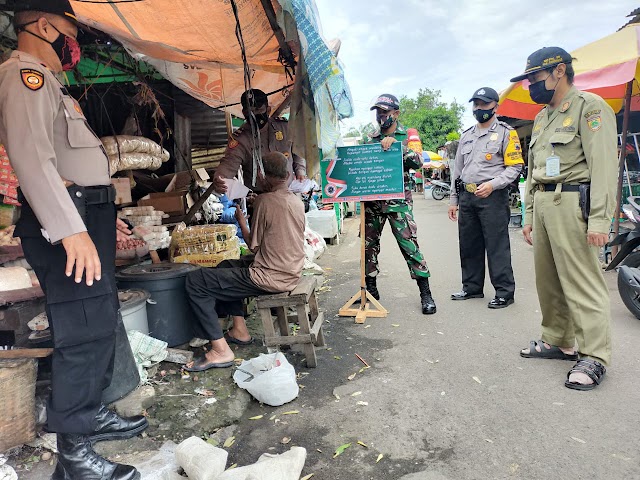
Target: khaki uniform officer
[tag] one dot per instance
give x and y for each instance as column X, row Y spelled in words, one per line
column 572, row 162
column 488, row 160
column 274, row 137
column 68, row 234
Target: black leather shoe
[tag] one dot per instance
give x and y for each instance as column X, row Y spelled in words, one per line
column 111, row 426
column 500, row 302
column 466, row 295
column 428, row 304
column 77, row 460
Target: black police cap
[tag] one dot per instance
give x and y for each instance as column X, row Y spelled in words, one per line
column 544, row 59
column 386, row 101
column 486, row 94
column 56, row 7
column 254, row 97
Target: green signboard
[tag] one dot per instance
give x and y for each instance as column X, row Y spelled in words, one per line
column 363, row 173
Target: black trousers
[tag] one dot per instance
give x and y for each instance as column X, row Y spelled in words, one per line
column 219, row 291
column 483, row 226
column 83, row 320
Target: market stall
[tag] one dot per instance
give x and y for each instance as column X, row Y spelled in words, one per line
column 164, row 98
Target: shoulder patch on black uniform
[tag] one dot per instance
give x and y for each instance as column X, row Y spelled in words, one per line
column 32, row 79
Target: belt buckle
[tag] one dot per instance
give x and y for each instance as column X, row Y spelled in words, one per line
column 540, row 187
column 471, row 187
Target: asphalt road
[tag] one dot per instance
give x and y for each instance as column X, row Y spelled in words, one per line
column 447, row 396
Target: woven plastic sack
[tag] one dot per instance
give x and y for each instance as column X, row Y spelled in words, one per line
column 270, row 379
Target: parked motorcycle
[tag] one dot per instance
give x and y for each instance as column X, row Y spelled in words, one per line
column 629, row 259
column 440, row 189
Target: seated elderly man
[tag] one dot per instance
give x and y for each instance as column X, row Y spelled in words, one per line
column 277, row 240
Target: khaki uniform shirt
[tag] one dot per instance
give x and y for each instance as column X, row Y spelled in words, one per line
column 48, row 139
column 274, row 137
column 582, row 131
column 278, row 235
column 489, row 155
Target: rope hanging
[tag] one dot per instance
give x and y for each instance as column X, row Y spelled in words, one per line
column 253, row 123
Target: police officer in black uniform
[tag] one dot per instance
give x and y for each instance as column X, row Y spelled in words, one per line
column 68, row 232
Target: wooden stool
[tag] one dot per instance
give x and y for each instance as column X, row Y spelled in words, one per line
column 307, row 316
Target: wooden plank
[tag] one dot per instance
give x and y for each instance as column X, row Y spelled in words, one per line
column 317, row 327
column 305, row 287
column 267, row 323
column 283, row 322
column 25, row 353
column 280, row 302
column 352, row 312
column 263, row 300
column 182, row 148
column 290, row 340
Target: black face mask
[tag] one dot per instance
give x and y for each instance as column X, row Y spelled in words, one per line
column 386, row 122
column 483, row 116
column 539, row 92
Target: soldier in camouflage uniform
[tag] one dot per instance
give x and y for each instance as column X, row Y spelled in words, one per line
column 398, row 212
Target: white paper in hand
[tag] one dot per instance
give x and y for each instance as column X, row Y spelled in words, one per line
column 303, row 186
column 235, row 189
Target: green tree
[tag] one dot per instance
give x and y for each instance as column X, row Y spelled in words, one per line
column 434, row 119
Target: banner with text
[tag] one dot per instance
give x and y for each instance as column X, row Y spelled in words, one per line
column 363, row 173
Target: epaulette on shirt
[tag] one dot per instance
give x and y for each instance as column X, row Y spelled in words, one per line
column 505, row 125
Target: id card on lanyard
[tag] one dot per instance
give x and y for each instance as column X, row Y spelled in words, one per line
column 553, row 164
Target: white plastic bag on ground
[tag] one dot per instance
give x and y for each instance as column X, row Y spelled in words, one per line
column 314, row 244
column 286, row 466
column 270, row 379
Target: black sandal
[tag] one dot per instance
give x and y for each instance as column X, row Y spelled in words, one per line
column 594, row 370
column 553, row 353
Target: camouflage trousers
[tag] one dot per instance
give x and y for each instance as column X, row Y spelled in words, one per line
column 405, row 230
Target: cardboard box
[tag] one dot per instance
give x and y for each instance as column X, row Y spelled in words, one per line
column 172, row 203
column 123, row 190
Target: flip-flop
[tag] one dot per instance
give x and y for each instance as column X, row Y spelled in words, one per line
column 237, row 341
column 203, row 365
column 553, row 353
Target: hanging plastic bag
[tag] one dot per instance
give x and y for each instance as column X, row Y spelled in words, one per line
column 269, row 378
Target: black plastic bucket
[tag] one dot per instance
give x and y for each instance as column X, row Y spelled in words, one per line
column 168, row 311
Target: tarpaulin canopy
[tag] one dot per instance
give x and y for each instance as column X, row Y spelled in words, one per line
column 603, row 67
column 193, row 43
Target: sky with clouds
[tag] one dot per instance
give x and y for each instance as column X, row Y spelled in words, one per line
column 454, row 46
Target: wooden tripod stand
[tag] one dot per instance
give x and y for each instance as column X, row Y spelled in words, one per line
column 369, row 306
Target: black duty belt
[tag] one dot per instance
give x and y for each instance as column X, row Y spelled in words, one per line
column 551, row 187
column 94, row 195
column 91, row 195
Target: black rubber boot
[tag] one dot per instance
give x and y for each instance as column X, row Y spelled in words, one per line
column 428, row 305
column 111, row 426
column 372, row 286
column 78, row 461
